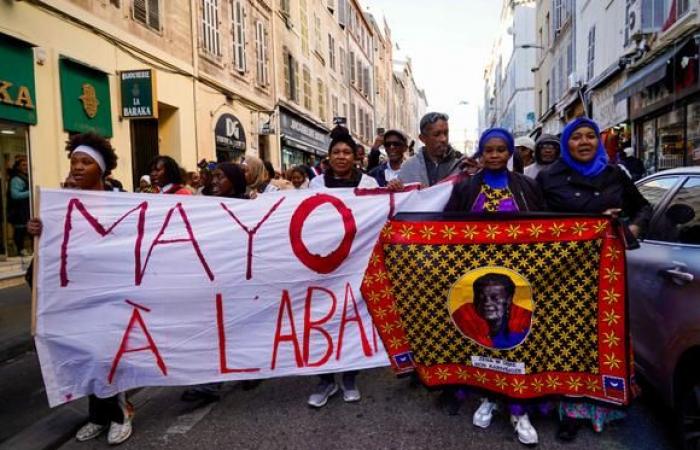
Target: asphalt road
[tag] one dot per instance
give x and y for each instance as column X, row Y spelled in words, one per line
column 391, row 415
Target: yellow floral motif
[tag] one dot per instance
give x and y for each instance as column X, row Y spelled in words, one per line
column 592, row 385
column 492, row 231
column 380, row 277
column 481, row 377
column 443, row 374
column 470, row 231
column 611, row 296
column 557, row 229
column 407, row 232
column 396, row 342
column 535, row 230
column 448, row 232
column 501, row 382
column 553, row 382
column 614, row 254
column 575, row 383
column 611, row 339
column 537, row 384
column 611, row 274
column 388, row 328
column 514, row 231
column 380, row 313
column 374, row 260
column 427, row 232
column 386, row 231
column 579, row 228
column 519, row 386
column 374, row 297
column 601, row 227
column 611, row 318
column 386, row 292
column 462, row 374
column 612, row 362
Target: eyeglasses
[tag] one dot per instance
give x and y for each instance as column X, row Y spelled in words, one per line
column 396, row 144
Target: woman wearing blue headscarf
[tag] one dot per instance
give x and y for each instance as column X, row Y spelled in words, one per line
column 582, row 181
column 495, row 188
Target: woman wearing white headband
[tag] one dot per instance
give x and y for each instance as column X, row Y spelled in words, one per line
column 92, row 159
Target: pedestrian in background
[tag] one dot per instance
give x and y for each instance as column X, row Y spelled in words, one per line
column 582, row 181
column 525, row 147
column 145, row 186
column 297, row 176
column 396, row 144
column 92, row 158
column 257, row 177
column 547, row 151
column 634, row 165
column 18, row 204
column 166, row 175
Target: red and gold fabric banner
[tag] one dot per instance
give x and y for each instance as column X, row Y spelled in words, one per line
column 522, row 306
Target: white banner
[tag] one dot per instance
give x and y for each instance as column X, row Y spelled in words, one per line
column 153, row 290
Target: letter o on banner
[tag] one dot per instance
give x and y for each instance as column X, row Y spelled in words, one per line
column 318, row 263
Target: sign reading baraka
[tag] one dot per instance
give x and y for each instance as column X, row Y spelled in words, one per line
column 138, row 93
column 143, row 290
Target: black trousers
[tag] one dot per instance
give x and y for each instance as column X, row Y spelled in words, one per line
column 330, row 377
column 102, row 411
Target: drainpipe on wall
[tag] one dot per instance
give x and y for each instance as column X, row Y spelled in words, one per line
column 195, row 71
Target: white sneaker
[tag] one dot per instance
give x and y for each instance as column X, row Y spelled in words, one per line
column 484, row 414
column 526, row 432
column 119, row 432
column 89, row 431
column 350, row 392
column 323, row 392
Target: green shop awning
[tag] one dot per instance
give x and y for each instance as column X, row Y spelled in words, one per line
column 85, row 99
column 17, row 93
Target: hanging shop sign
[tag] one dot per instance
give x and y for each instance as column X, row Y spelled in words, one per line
column 17, row 93
column 138, row 94
column 85, row 99
column 229, row 134
column 300, row 131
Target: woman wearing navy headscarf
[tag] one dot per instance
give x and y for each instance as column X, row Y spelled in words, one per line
column 496, row 189
column 582, row 181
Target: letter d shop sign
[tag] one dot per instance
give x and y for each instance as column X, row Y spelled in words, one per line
column 229, row 134
column 138, row 94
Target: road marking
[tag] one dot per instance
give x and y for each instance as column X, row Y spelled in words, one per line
column 186, row 422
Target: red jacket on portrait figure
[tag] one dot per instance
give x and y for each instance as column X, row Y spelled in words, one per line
column 471, row 324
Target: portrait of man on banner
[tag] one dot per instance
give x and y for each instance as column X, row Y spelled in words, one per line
column 492, row 306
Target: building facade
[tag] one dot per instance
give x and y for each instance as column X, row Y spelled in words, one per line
column 509, row 96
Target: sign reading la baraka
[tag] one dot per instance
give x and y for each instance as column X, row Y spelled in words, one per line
column 142, row 290
column 138, row 94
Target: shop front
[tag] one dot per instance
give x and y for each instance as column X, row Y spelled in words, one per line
column 230, row 139
column 18, row 111
column 664, row 106
column 301, row 140
column 611, row 116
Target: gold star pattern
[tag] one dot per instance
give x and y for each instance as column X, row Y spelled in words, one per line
column 518, row 386
column 578, row 229
column 443, row 374
column 535, row 231
column 462, row 374
column 610, row 318
column 611, row 339
column 601, row 226
column 500, row 382
column 611, row 361
column 386, row 231
column 537, row 385
column 610, row 296
column 470, row 232
column 575, row 383
column 553, row 382
column 481, row 377
column 557, row 229
column 592, row 385
column 407, row 232
column 611, row 274
column 613, row 254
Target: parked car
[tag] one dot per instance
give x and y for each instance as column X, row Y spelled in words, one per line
column 664, row 296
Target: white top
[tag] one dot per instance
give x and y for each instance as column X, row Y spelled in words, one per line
column 391, row 174
column 366, row 182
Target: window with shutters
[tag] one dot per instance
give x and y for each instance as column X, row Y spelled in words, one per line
column 291, row 77
column 238, row 29
column 342, row 13
column 591, row 52
column 210, row 27
column 345, row 110
column 352, row 67
column 330, row 4
column 361, row 115
column 307, row 88
column 318, row 38
column 366, row 80
column 341, row 63
column 360, row 73
column 353, row 118
column 284, row 7
column 331, row 52
column 321, row 99
column 261, row 53
column 147, row 12
column 334, row 106
column 304, row 21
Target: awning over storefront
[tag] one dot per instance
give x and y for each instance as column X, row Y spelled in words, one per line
column 303, row 145
column 646, row 76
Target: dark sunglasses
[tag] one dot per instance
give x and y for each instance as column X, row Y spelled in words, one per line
column 394, row 144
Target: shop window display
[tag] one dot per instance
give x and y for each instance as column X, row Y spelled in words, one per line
column 648, row 145
column 671, row 140
column 693, row 122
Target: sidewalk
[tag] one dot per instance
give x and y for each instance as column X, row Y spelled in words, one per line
column 15, row 321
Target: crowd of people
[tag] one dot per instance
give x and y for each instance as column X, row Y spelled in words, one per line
column 567, row 174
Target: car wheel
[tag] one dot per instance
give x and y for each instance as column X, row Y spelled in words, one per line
column 689, row 412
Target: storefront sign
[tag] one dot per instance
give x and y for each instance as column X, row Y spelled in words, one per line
column 633, row 21
column 229, row 134
column 606, row 112
column 17, row 94
column 138, row 94
column 85, row 99
column 295, row 128
column 647, row 100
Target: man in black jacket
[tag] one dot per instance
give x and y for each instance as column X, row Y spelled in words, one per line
column 396, row 145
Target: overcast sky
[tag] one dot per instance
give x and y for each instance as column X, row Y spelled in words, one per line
column 449, row 42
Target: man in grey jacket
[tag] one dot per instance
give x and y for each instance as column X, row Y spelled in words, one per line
column 436, row 160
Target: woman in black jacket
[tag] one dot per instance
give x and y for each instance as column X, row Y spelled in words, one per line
column 582, row 181
column 495, row 188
